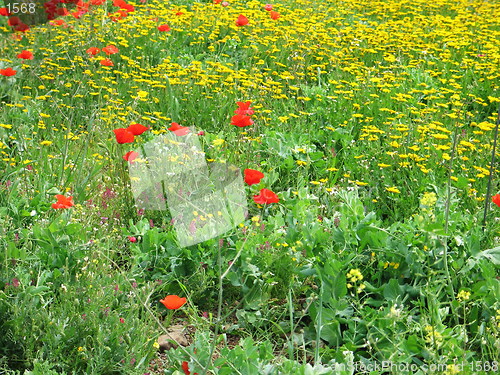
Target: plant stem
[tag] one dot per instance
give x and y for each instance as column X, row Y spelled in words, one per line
column 447, row 217
column 290, row 341
column 318, row 328
column 219, row 311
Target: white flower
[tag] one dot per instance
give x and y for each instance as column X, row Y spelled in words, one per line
column 395, row 311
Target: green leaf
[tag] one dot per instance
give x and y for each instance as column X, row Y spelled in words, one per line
column 315, row 156
column 412, row 345
column 234, row 279
column 289, row 163
column 492, row 255
column 53, row 227
column 73, row 228
column 339, row 287
column 392, row 290
column 461, row 182
column 307, row 271
column 331, row 333
column 54, row 191
column 12, row 251
column 334, row 283
column 37, row 290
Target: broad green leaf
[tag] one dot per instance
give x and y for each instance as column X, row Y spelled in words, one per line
column 392, row 290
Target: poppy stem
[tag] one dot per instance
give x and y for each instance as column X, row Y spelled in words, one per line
column 219, row 311
column 492, row 169
column 168, row 318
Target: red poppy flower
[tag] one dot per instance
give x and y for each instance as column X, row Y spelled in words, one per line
column 217, row 1
column 241, row 120
column 242, row 20
column 4, row 12
column 185, row 368
column 496, row 199
column 22, row 27
column 13, row 21
column 178, row 130
column 268, row 7
column 123, row 136
column 266, row 196
column 252, row 176
column 107, row 62
column 244, row 108
column 26, row 55
column 132, row 239
column 93, row 51
column 121, row 14
column 57, row 22
column 123, row 5
column 63, row 202
column 62, row 11
column 164, row 28
column 274, row 15
column 8, row 72
column 82, row 7
column 128, row 7
column 109, row 50
column 179, row 13
column 97, row 2
column 78, row 15
column 173, row 302
column 137, row 129
column 130, row 156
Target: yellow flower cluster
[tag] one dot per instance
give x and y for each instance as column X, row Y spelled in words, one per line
column 433, row 336
column 353, row 277
column 391, row 264
column 429, row 199
column 497, row 319
column 463, row 295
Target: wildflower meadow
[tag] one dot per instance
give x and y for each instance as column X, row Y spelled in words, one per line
column 240, row 187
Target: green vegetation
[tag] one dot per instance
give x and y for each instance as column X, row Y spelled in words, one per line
column 373, row 124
